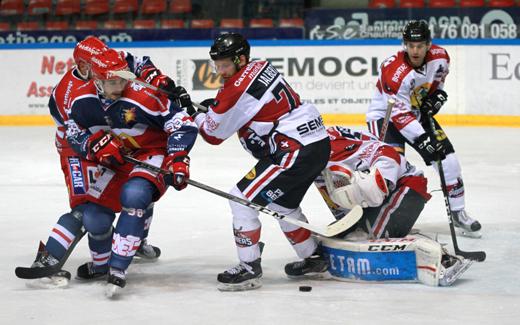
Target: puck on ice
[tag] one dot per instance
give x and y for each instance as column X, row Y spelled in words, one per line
column 305, row 288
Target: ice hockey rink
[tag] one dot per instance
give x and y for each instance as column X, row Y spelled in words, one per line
column 193, row 230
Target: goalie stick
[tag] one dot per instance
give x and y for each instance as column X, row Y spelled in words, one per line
column 41, row 272
column 331, row 230
column 128, row 75
column 478, row 256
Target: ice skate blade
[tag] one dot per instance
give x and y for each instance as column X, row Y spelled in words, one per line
column 454, row 274
column 469, row 234
column 311, row 276
column 112, row 291
column 243, row 286
column 52, row 282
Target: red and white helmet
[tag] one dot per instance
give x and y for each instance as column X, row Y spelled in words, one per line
column 87, row 48
column 107, row 61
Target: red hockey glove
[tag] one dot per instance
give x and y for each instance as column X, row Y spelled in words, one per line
column 179, row 166
column 105, row 148
column 154, row 77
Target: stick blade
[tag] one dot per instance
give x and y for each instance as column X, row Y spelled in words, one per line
column 345, row 223
column 479, row 256
column 125, row 74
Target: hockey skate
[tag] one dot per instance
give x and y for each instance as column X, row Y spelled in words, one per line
column 452, row 268
column 244, row 276
column 116, row 281
column 89, row 271
column 313, row 266
column 59, row 279
column 466, row 226
column 147, row 252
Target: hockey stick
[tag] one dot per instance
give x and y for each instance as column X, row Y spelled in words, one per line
column 331, row 230
column 478, row 256
column 41, row 272
column 129, row 75
column 389, row 105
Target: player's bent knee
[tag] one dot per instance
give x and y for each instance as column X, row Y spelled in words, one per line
column 97, row 219
column 137, row 193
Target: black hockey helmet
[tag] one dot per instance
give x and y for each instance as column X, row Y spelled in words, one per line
column 417, row 31
column 229, row 45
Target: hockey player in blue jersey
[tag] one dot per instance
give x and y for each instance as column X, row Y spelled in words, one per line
column 111, row 117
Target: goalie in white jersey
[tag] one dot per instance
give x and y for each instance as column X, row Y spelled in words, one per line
column 370, row 173
column 365, row 171
column 414, row 78
column 288, row 139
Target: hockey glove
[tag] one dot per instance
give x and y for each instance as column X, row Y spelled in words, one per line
column 179, row 166
column 182, row 99
column 433, row 103
column 105, row 148
column 430, row 148
column 154, row 77
column 208, row 102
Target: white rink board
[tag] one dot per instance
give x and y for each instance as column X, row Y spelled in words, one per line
column 483, row 79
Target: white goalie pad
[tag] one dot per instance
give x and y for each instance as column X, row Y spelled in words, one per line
column 349, row 188
column 409, row 259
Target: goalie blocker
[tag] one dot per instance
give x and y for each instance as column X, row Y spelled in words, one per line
column 409, row 259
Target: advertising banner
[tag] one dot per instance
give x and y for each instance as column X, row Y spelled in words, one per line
column 338, row 79
column 447, row 23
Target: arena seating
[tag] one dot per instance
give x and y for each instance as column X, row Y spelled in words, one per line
column 144, row 14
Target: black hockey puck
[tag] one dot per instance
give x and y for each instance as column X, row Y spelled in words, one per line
column 305, row 288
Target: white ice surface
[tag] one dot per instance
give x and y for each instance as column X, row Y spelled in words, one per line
column 193, row 229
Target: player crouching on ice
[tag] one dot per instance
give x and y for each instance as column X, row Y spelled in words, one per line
column 364, row 171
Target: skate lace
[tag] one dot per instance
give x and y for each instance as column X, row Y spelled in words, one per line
column 118, row 273
column 239, row 268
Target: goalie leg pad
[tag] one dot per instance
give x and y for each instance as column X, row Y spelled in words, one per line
column 409, row 259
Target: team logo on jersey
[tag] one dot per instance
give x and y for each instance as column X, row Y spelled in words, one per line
column 418, row 94
column 251, row 175
column 76, row 176
column 129, row 115
column 204, row 78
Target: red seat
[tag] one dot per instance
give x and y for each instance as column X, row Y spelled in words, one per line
column 501, row 3
column 96, row 7
column 232, row 23
column 172, row 23
column 39, row 7
column 86, row 24
column 67, row 7
column 180, row 6
column 291, row 22
column 144, row 24
column 442, row 3
column 153, row 6
column 381, row 4
column 11, row 7
column 261, row 22
column 202, row 23
column 27, row 26
column 115, row 24
column 57, row 25
column 471, row 3
column 4, row 27
column 411, row 4
column 125, row 6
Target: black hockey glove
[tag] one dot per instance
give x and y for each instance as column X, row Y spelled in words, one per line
column 430, row 148
column 207, row 102
column 433, row 103
column 182, row 99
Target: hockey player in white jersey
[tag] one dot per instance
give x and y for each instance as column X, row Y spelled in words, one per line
column 414, row 78
column 365, row 171
column 288, row 139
